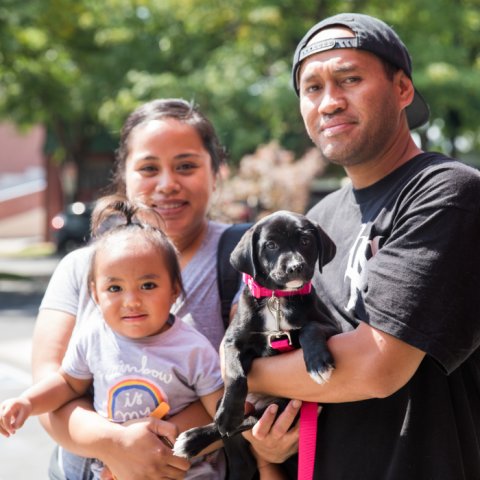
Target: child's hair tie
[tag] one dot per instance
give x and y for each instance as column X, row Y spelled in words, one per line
column 117, row 211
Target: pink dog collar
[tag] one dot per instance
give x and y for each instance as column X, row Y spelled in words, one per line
column 258, row 291
column 282, row 345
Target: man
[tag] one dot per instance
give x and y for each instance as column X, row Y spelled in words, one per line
column 404, row 400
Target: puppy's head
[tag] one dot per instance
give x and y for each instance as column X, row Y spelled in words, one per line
column 281, row 250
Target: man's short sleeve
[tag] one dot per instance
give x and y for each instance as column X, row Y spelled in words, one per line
column 424, row 284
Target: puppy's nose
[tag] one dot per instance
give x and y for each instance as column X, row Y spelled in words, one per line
column 295, row 267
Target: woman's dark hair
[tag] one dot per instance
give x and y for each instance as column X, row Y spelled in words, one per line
column 126, row 217
column 159, row 110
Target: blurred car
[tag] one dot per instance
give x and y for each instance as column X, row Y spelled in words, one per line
column 71, row 227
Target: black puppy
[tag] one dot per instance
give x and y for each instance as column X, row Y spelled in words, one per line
column 280, row 253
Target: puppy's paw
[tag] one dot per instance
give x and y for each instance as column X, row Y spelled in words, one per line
column 228, row 421
column 322, row 377
column 320, row 367
column 190, row 443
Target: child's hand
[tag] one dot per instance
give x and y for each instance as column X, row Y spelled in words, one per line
column 13, row 414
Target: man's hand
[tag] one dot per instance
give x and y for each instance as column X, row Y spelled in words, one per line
column 273, row 441
column 142, row 455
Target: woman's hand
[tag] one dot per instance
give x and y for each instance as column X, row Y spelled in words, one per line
column 138, row 453
column 273, row 441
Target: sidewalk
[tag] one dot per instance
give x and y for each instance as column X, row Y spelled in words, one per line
column 25, row 455
column 29, row 267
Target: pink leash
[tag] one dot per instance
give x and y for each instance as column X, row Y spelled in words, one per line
column 308, row 427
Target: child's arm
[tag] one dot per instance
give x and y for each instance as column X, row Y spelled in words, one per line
column 210, row 401
column 51, row 393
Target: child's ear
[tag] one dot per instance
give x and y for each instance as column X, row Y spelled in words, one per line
column 94, row 292
column 176, row 290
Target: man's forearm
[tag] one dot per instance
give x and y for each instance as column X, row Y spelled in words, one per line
column 369, row 364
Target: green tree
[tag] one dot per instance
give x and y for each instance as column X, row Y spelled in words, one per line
column 82, row 66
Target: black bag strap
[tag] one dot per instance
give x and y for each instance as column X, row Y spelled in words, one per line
column 228, row 279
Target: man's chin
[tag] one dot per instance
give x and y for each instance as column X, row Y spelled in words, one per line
column 339, row 155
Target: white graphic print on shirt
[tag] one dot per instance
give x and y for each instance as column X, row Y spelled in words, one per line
column 358, row 263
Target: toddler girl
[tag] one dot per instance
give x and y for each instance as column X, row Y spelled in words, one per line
column 140, row 358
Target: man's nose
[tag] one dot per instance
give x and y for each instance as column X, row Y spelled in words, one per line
column 168, row 183
column 333, row 100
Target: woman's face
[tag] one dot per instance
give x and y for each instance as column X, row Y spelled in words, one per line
column 169, row 170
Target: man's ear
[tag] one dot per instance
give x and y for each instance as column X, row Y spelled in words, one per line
column 94, row 292
column 243, row 257
column 326, row 247
column 405, row 88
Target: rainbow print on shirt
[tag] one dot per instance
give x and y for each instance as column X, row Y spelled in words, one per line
column 134, row 397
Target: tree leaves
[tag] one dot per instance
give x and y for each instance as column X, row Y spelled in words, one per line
column 91, row 63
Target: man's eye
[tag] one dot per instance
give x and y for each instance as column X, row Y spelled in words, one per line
column 271, row 245
column 352, row 80
column 313, row 88
column 148, row 286
column 114, row 289
column 304, row 240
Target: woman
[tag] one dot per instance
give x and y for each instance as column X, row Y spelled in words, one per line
column 168, row 159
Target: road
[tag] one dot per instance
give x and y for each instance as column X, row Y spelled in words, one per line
column 25, row 455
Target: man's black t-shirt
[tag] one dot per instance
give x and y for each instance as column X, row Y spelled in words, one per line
column 408, row 264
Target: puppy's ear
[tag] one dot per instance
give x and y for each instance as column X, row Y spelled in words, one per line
column 326, row 247
column 243, row 258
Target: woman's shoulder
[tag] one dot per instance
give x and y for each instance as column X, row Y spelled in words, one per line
column 77, row 263
column 210, row 242
column 77, row 258
column 215, row 229
column 69, row 280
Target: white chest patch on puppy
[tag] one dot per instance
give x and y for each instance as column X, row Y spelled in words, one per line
column 295, row 284
column 271, row 323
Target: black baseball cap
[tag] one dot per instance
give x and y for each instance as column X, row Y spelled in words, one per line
column 373, row 36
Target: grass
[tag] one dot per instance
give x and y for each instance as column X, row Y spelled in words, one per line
column 35, row 251
column 13, row 276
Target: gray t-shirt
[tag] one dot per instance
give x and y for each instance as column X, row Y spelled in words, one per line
column 132, row 376
column 201, row 308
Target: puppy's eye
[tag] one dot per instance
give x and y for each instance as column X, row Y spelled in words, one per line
column 271, row 245
column 304, row 240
